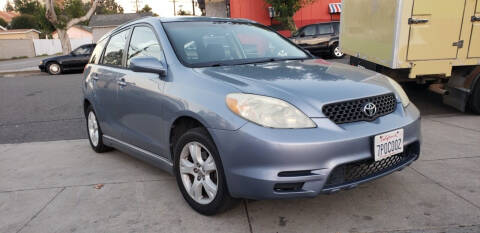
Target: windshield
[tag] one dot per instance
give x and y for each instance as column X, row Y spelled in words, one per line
column 201, row 44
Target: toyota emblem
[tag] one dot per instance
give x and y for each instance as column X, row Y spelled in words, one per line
column 369, row 109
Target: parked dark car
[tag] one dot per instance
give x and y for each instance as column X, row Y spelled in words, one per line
column 76, row 60
column 319, row 38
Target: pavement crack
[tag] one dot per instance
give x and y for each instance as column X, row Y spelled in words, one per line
column 446, row 188
column 84, row 185
column 449, row 124
column 41, row 209
column 36, row 122
column 248, row 216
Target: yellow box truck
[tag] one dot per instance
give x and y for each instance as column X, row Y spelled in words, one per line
column 434, row 41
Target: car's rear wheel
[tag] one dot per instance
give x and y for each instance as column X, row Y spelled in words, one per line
column 95, row 132
column 336, row 52
column 199, row 173
column 54, row 68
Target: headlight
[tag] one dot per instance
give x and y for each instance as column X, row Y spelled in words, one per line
column 268, row 111
column 400, row 92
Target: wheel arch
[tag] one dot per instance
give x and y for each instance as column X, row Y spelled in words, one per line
column 179, row 126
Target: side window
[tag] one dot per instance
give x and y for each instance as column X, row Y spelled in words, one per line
column 144, row 43
column 309, row 31
column 97, row 52
column 325, row 29
column 114, row 51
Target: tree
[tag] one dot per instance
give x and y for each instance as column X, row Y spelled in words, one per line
column 26, row 6
column 183, row 12
column 24, row 21
column 9, row 7
column 285, row 9
column 146, row 9
column 62, row 21
column 108, row 7
column 3, row 23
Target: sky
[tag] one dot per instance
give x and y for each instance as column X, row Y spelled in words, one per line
column 161, row 7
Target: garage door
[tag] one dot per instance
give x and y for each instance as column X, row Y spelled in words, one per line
column 434, row 28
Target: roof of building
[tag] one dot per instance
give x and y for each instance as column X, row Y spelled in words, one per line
column 82, row 27
column 19, row 31
column 8, row 16
column 115, row 19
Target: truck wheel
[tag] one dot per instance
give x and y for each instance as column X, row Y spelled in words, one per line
column 475, row 98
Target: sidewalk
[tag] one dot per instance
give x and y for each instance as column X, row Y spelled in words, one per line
column 21, row 65
column 50, row 187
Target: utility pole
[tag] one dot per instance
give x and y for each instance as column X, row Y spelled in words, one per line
column 193, row 7
column 174, row 10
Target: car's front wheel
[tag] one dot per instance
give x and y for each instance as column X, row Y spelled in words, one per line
column 199, row 173
column 336, row 51
column 95, row 132
column 54, row 68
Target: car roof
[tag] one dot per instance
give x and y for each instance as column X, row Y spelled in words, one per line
column 202, row 19
column 151, row 19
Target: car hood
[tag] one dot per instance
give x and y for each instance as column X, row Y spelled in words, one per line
column 308, row 84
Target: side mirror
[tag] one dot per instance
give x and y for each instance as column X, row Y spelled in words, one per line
column 148, row 65
column 73, row 53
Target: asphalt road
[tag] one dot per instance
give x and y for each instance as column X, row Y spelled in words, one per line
column 45, row 108
column 41, row 108
column 21, row 64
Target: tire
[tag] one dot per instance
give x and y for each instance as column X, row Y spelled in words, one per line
column 475, row 97
column 336, row 52
column 201, row 173
column 94, row 132
column 54, row 68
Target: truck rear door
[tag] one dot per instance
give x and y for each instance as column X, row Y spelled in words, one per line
column 435, row 29
column 474, row 50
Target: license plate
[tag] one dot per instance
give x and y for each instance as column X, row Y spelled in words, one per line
column 388, row 144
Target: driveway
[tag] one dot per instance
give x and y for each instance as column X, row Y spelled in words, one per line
column 51, row 181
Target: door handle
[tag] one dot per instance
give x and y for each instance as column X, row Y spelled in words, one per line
column 121, row 82
column 475, row 18
column 417, row 21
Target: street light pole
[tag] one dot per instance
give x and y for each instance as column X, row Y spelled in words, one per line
column 174, row 10
column 193, row 7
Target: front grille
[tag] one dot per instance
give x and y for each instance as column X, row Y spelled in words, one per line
column 365, row 169
column 352, row 110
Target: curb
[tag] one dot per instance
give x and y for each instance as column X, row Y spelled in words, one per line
column 10, row 74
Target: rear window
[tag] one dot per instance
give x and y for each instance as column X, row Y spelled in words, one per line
column 97, row 52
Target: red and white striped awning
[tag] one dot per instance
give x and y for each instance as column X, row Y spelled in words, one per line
column 335, row 8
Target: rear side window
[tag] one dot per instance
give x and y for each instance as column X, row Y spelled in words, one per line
column 115, row 47
column 325, row 29
column 144, row 43
column 97, row 52
column 309, row 31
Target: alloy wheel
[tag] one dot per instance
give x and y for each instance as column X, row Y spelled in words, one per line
column 337, row 52
column 198, row 173
column 93, row 128
column 54, row 68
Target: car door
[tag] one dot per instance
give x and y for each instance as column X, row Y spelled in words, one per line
column 141, row 96
column 108, row 75
column 71, row 62
column 307, row 38
column 82, row 58
column 325, row 34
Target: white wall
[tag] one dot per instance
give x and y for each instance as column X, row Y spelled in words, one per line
column 53, row 46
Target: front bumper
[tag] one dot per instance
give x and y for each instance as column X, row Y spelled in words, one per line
column 259, row 161
column 42, row 67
